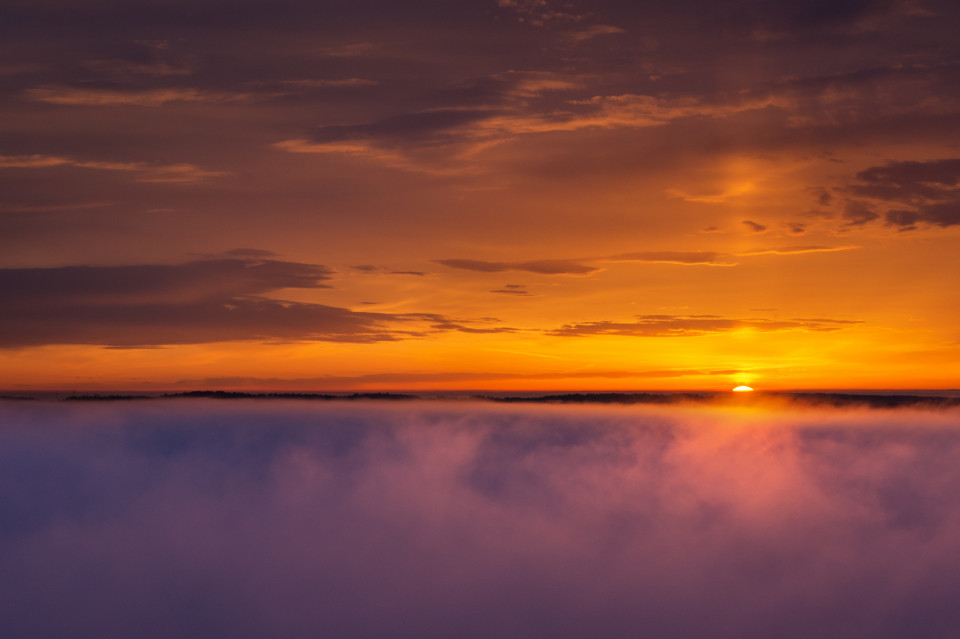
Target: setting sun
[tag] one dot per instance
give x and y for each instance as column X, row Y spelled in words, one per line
column 742, row 389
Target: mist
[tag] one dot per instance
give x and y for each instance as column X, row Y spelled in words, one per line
column 198, row 518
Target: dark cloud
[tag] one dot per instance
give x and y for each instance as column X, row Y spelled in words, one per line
column 250, row 519
column 370, row 268
column 204, row 321
column 542, row 267
column 909, row 181
column 183, row 17
column 945, row 213
column 929, row 190
column 430, row 127
column 250, row 252
column 477, row 330
column 216, row 279
column 856, row 213
column 197, row 302
column 906, row 220
column 769, row 19
column 541, row 12
column 754, row 226
column 577, row 267
column 513, row 289
column 693, row 325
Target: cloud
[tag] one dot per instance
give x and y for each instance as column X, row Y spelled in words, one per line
column 143, row 172
column 365, row 150
column 78, row 96
column 754, row 226
column 909, row 181
column 709, row 258
column 51, row 208
column 579, row 267
column 323, row 83
column 250, row 252
column 371, row 268
column 694, row 325
column 913, row 193
column 197, row 302
column 426, row 127
column 219, row 279
column 404, row 140
column 768, row 20
column 351, row 50
column 250, row 519
column 540, row 12
column 531, row 84
column 794, row 228
column 447, row 325
column 513, row 289
column 593, row 32
column 430, row 140
column 857, row 213
column 638, row 111
column 542, row 267
column 797, row 250
column 158, row 68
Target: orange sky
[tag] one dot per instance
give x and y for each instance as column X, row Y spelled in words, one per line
column 493, row 195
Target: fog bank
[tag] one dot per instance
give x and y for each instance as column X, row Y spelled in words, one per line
column 297, row 519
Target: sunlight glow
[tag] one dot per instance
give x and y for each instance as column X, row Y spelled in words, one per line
column 742, row 389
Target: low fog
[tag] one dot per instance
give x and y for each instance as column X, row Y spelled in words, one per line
column 251, row 519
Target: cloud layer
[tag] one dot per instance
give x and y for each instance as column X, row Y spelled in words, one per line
column 245, row 519
column 217, row 300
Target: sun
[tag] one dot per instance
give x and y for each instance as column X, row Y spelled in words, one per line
column 742, row 389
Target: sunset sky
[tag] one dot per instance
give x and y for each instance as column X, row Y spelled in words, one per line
column 484, row 194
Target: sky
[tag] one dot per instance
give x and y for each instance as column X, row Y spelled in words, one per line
column 198, row 518
column 486, row 194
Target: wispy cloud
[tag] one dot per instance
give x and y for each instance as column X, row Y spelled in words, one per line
column 707, row 258
column 78, row 96
column 797, row 250
column 513, row 289
column 542, row 267
column 143, row 172
column 459, row 135
column 694, row 325
column 540, row 12
column 157, row 68
column 594, row 31
column 582, row 266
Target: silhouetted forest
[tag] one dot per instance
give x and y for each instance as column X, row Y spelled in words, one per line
column 831, row 400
